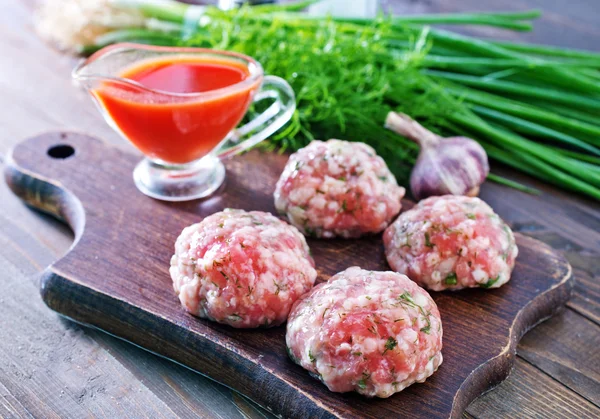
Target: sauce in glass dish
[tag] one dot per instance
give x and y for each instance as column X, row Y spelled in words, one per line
column 179, row 108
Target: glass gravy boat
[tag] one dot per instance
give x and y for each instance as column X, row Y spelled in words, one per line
column 184, row 136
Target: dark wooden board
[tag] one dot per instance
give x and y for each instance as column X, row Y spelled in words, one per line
column 115, row 277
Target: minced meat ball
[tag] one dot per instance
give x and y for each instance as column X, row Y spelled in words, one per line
column 451, row 242
column 244, row 269
column 338, row 188
column 375, row 333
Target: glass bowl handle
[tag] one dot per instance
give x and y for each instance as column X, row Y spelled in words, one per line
column 265, row 124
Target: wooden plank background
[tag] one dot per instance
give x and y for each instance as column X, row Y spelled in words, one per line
column 50, row 367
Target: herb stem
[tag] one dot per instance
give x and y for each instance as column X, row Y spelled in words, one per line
column 531, row 128
column 531, row 112
column 461, row 62
column 516, row 142
column 515, row 185
column 518, row 89
column 558, row 76
column 546, row 50
column 138, row 35
column 538, row 168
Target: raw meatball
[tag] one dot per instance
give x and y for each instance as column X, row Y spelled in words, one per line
column 371, row 332
column 338, row 188
column 451, row 242
column 244, row 269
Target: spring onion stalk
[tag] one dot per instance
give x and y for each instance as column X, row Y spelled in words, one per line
column 448, row 19
column 517, row 89
column 532, row 107
column 532, row 113
column 594, row 74
column 436, row 61
column 525, row 127
column 515, row 185
column 579, row 156
column 577, row 114
column 545, row 50
column 138, row 35
column 561, row 77
column 536, row 167
column 528, row 148
column 297, row 6
column 501, row 20
column 170, row 11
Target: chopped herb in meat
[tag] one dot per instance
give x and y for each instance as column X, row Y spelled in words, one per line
column 405, row 296
column 390, row 344
column 362, row 383
column 451, row 279
column 428, row 240
column 278, row 287
column 491, row 282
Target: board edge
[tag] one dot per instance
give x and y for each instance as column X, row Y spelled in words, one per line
column 497, row 369
column 46, row 196
column 53, row 283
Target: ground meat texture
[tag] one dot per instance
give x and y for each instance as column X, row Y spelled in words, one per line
column 338, row 188
column 244, row 269
column 451, row 242
column 371, row 332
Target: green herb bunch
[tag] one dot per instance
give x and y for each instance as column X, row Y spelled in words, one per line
column 531, row 107
column 344, row 84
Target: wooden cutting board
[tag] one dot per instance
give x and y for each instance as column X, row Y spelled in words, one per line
column 116, row 278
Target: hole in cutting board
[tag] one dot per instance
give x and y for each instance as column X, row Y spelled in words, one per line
column 61, row 151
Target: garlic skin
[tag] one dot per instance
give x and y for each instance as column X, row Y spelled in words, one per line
column 455, row 165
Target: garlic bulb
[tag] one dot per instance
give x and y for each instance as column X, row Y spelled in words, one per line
column 455, row 165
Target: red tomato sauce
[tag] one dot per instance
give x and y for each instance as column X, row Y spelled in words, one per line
column 170, row 127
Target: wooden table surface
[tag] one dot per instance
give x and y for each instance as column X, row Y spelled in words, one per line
column 51, row 367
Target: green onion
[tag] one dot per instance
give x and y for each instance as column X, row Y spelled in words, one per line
column 517, row 89
column 578, row 114
column 546, row 50
column 559, row 77
column 532, row 113
column 515, row 185
column 459, row 63
column 138, row 35
column 526, row 127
